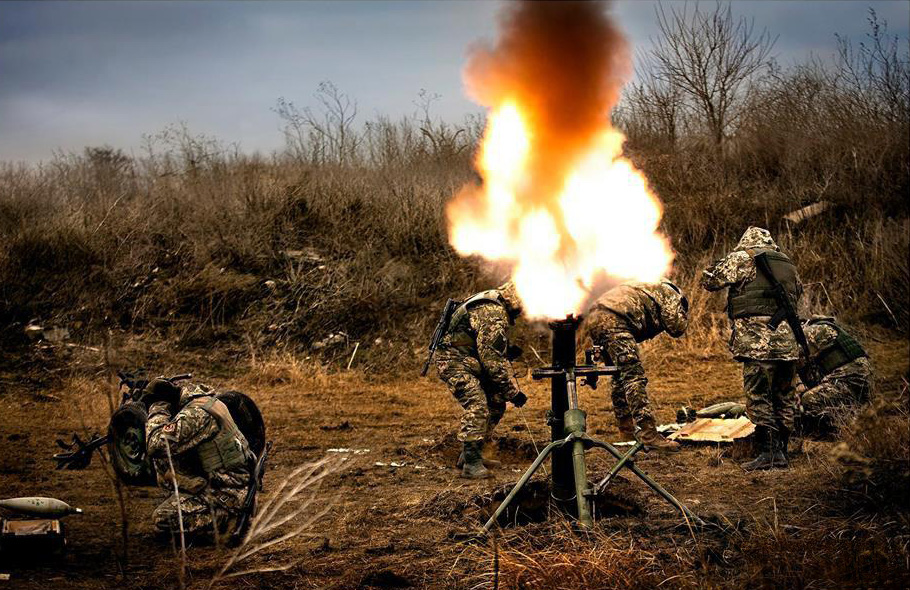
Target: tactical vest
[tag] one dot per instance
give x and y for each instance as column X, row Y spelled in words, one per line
column 845, row 349
column 462, row 335
column 228, row 450
column 756, row 298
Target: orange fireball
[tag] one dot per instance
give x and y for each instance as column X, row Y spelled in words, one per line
column 559, row 202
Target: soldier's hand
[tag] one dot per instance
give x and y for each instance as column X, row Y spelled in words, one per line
column 519, row 399
column 160, row 390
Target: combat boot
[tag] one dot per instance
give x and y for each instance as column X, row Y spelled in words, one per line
column 473, row 462
column 779, row 447
column 765, row 452
column 653, row 440
column 626, row 428
column 488, row 462
column 763, row 462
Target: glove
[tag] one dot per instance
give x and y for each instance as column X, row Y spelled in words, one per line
column 160, row 390
column 519, row 399
column 513, row 352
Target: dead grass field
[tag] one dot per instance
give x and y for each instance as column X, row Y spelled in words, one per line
column 396, row 526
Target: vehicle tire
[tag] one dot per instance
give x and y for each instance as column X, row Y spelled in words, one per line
column 127, row 446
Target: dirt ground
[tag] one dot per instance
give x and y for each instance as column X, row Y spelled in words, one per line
column 398, row 506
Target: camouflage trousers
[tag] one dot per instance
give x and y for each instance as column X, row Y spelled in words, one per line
column 770, row 396
column 482, row 404
column 844, row 388
column 200, row 512
column 629, row 389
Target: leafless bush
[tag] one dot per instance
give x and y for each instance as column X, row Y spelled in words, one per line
column 288, row 513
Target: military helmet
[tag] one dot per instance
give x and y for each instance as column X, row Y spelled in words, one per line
column 510, row 299
column 674, row 309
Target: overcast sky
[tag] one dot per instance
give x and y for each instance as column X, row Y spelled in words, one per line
column 92, row 73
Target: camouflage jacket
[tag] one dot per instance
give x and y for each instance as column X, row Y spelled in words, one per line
column 641, row 309
column 752, row 338
column 490, row 328
column 182, row 434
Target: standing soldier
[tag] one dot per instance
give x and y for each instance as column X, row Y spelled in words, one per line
column 761, row 340
column 845, row 371
column 189, row 428
column 618, row 321
column 473, row 360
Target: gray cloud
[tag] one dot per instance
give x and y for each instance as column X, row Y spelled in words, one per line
column 90, row 73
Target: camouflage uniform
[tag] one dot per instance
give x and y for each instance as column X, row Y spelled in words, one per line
column 618, row 321
column 212, row 462
column 471, row 360
column 844, row 384
column 768, row 356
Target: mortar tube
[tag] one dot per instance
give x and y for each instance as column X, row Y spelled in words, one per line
column 563, row 352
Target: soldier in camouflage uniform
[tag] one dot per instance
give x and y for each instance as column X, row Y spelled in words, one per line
column 212, row 462
column 768, row 350
column 846, row 375
column 473, row 360
column 618, row 321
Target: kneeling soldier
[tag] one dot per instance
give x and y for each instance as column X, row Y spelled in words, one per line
column 212, row 462
column 845, row 371
column 473, row 360
column 618, row 321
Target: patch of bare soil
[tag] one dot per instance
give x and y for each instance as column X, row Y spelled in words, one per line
column 400, row 513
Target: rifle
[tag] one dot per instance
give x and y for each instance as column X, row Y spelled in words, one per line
column 442, row 326
column 249, row 503
column 808, row 373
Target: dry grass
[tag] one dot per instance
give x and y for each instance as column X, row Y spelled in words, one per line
column 558, row 558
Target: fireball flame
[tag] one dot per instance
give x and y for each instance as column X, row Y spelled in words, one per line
column 559, row 202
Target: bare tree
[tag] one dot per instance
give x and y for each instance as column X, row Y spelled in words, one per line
column 324, row 135
column 876, row 74
column 711, row 58
column 653, row 107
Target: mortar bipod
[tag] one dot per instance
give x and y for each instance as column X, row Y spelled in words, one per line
column 575, row 435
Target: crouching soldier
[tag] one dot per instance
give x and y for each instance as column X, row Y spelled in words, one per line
column 761, row 340
column 473, row 361
column 193, row 441
column 618, row 321
column 845, row 371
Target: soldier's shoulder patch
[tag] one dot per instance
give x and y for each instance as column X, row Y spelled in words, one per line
column 169, row 427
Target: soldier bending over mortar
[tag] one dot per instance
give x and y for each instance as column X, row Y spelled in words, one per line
column 473, row 360
column 618, row 321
